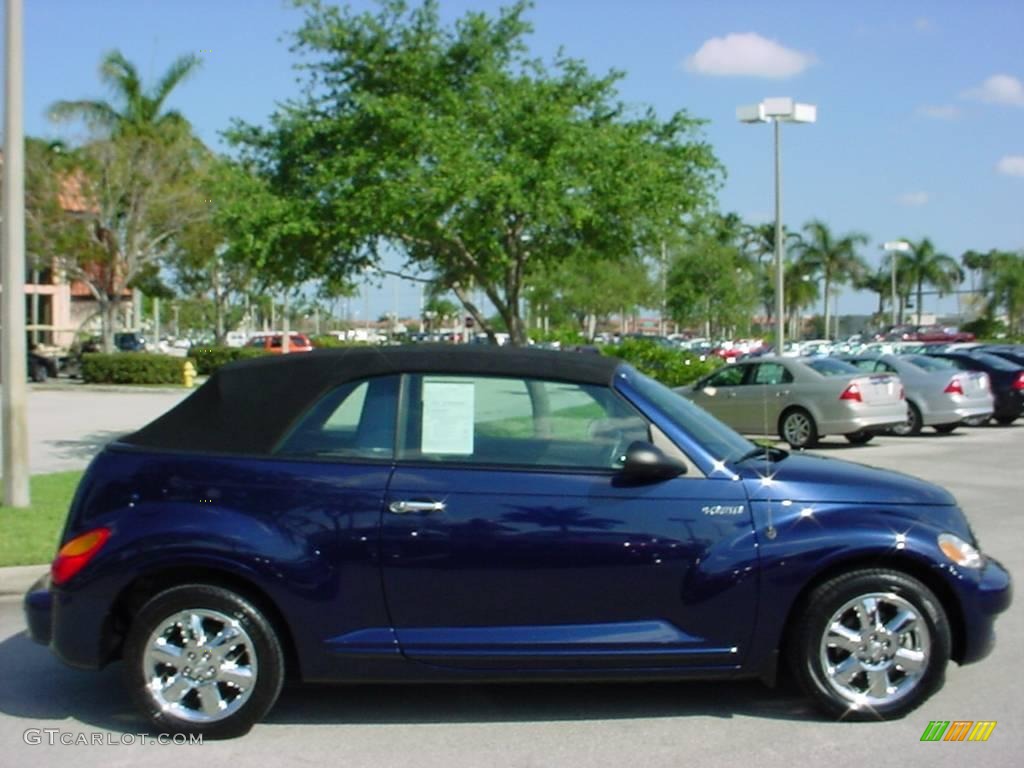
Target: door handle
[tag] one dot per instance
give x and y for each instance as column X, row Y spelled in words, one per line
column 783, row 393
column 405, row 507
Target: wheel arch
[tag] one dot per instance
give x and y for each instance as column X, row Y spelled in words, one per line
column 908, row 565
column 138, row 592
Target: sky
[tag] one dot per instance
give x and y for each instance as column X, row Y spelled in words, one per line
column 920, row 128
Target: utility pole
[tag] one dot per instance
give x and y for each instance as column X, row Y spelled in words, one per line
column 12, row 340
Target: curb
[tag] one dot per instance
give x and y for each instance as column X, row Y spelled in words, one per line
column 76, row 385
column 17, row 579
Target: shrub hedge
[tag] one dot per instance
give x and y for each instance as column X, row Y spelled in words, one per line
column 132, row 368
column 209, row 359
column 672, row 367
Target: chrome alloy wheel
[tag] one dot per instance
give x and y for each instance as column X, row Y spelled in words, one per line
column 875, row 649
column 200, row 665
column 797, row 428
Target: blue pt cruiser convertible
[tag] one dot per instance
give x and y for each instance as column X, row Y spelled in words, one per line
column 467, row 514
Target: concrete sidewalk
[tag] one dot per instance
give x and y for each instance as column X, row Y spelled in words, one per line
column 17, row 579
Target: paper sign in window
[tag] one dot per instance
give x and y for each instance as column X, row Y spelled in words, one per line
column 447, row 417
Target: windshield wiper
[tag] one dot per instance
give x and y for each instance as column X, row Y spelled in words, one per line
column 775, row 454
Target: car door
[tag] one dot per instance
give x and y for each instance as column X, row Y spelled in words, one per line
column 508, row 540
column 719, row 392
column 766, row 391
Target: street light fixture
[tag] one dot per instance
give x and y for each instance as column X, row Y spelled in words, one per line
column 893, row 247
column 776, row 111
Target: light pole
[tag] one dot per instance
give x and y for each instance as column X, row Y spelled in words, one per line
column 776, row 111
column 893, row 247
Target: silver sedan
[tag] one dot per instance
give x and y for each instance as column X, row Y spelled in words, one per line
column 801, row 399
column 939, row 394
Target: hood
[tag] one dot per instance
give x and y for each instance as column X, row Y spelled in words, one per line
column 800, row 477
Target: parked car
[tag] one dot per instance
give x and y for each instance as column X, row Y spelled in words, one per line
column 938, row 393
column 1006, row 378
column 481, row 514
column 273, row 342
column 129, row 341
column 42, row 367
column 801, row 399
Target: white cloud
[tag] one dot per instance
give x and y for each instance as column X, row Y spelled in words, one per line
column 1011, row 165
column 939, row 111
column 913, row 199
column 747, row 54
column 998, row 89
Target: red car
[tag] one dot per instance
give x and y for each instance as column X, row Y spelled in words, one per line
column 272, row 343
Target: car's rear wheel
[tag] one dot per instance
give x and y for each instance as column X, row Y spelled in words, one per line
column 39, row 373
column 1006, row 420
column 913, row 424
column 860, row 438
column 945, row 429
column 203, row 660
column 797, row 428
column 870, row 644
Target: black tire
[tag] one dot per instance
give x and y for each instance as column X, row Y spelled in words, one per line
column 945, row 429
column 1006, row 420
column 806, row 436
column 860, row 438
column 258, row 638
column 913, row 424
column 39, row 373
column 810, row 657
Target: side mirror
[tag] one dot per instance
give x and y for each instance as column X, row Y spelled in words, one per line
column 647, row 463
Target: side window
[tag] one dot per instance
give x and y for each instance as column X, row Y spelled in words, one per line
column 772, row 373
column 884, row 367
column 514, row 421
column 730, row 376
column 866, row 365
column 356, row 420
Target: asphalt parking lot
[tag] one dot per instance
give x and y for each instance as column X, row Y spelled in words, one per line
column 705, row 724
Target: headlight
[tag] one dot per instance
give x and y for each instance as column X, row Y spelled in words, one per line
column 959, row 551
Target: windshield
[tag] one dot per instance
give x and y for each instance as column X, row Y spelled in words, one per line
column 828, row 366
column 926, row 363
column 994, row 361
column 714, row 436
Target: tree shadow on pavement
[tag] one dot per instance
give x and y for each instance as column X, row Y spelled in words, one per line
column 39, row 687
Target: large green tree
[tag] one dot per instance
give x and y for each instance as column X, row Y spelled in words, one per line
column 454, row 147
column 923, row 264
column 711, row 282
column 834, row 258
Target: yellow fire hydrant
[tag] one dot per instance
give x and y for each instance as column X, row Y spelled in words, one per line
column 188, row 374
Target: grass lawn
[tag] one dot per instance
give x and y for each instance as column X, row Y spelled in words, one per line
column 29, row 536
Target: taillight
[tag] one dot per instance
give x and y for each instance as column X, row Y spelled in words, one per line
column 1018, row 383
column 852, row 392
column 74, row 555
column 954, row 387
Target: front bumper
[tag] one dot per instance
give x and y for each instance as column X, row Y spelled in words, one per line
column 981, row 601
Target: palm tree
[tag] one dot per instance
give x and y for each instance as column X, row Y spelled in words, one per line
column 835, row 258
column 923, row 264
column 136, row 111
column 758, row 243
column 1008, row 287
column 878, row 283
column 801, row 288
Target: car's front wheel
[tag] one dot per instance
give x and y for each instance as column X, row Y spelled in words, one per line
column 872, row 643
column 203, row 660
column 860, row 438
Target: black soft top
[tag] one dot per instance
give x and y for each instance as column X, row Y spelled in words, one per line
column 248, row 406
